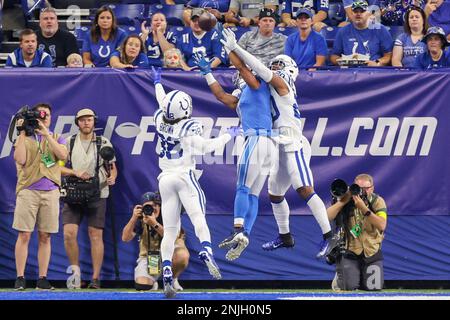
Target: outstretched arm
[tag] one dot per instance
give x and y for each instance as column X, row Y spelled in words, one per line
column 200, row 145
column 230, row 43
column 220, row 94
column 159, row 89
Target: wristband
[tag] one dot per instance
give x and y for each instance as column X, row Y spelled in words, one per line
column 368, row 212
column 210, row 79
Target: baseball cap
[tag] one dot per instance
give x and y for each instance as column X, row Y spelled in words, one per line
column 196, row 12
column 436, row 31
column 151, row 196
column 268, row 13
column 304, row 10
column 85, row 112
column 360, row 4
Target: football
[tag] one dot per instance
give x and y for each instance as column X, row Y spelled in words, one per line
column 207, row 21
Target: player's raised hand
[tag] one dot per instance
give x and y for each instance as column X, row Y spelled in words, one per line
column 202, row 63
column 235, row 131
column 228, row 39
column 156, row 75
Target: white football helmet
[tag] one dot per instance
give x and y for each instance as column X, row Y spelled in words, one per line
column 285, row 63
column 177, row 105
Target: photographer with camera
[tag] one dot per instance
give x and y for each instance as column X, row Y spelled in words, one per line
column 360, row 216
column 146, row 221
column 85, row 190
column 36, row 153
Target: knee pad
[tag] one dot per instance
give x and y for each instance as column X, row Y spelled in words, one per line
column 142, row 287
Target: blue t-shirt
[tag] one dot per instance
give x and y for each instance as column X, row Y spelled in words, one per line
column 209, row 44
column 221, row 5
column 425, row 62
column 141, row 60
column 102, row 50
column 154, row 52
column 410, row 49
column 372, row 42
column 254, row 108
column 292, row 6
column 441, row 17
column 41, row 59
column 305, row 52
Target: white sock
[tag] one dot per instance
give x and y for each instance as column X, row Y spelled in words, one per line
column 319, row 212
column 281, row 214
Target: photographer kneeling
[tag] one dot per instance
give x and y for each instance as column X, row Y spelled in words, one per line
column 360, row 216
column 146, row 222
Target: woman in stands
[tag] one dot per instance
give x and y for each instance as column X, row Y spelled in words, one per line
column 409, row 44
column 130, row 54
column 157, row 39
column 104, row 39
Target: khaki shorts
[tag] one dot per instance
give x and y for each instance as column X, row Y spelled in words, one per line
column 36, row 207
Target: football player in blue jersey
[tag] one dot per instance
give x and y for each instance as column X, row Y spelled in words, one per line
column 197, row 40
column 252, row 103
column 179, row 141
column 292, row 169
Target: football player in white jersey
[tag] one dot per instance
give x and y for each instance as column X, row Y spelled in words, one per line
column 293, row 166
column 179, row 140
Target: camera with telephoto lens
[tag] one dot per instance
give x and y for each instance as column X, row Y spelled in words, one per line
column 147, row 210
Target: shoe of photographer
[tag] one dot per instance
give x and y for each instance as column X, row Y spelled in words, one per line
column 94, row 284
column 176, row 285
column 334, row 284
column 282, row 241
column 169, row 290
column 155, row 286
column 20, row 284
column 44, row 284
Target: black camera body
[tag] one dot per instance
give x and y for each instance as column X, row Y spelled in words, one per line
column 30, row 120
column 147, row 210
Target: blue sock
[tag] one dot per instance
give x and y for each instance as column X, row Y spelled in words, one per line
column 241, row 202
column 252, row 213
column 167, row 263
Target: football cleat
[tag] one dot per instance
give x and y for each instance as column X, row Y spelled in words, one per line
column 213, row 268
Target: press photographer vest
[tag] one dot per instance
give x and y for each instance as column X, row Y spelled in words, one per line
column 33, row 170
column 369, row 241
column 155, row 241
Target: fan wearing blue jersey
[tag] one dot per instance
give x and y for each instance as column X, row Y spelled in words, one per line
column 292, row 169
column 130, row 54
column 197, row 40
column 179, row 141
column 435, row 56
column 104, row 39
column 252, row 103
column 157, row 39
column 319, row 9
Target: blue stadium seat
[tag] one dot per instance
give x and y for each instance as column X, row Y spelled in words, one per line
column 336, row 13
column 141, row 1
column 81, row 34
column 286, row 31
column 130, row 29
column 126, row 14
column 174, row 13
column 82, row 4
column 395, row 31
column 329, row 34
column 28, row 7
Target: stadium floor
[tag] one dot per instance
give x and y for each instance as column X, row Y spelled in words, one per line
column 127, row 294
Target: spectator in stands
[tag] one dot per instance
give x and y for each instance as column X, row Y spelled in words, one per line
column 357, row 38
column 27, row 55
column 319, row 8
column 174, row 59
column 157, row 39
column 438, row 14
column 217, row 7
column 408, row 45
column 104, row 39
column 263, row 43
column 86, row 163
column 130, row 54
column 59, row 44
column 74, row 61
column 37, row 202
column 146, row 221
column 197, row 40
column 362, row 221
column 306, row 47
column 435, row 56
column 245, row 13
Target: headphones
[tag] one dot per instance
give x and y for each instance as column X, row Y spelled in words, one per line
column 86, row 109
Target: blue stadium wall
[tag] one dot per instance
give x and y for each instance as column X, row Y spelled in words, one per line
column 389, row 123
